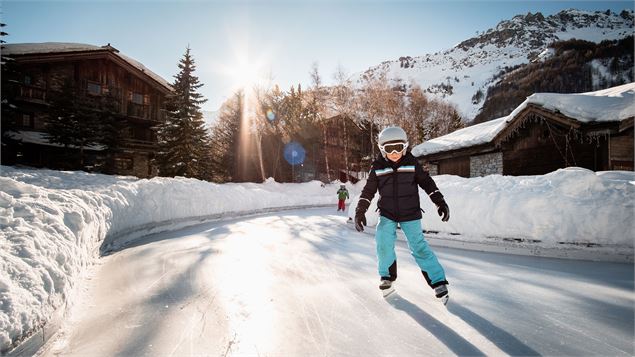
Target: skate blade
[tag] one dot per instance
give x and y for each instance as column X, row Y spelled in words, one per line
column 388, row 292
column 444, row 299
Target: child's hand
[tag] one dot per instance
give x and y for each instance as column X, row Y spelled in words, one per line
column 444, row 211
column 360, row 221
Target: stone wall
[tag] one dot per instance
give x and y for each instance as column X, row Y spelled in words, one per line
column 488, row 164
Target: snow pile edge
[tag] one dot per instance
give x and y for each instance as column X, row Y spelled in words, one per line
column 54, row 224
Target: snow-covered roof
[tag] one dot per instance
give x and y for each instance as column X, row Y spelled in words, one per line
column 63, row 47
column 612, row 104
column 470, row 136
column 607, row 105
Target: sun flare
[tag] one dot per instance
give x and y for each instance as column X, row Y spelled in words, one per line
column 244, row 73
column 243, row 70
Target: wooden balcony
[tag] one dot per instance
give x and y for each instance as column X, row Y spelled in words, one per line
column 140, row 144
column 32, row 94
column 143, row 112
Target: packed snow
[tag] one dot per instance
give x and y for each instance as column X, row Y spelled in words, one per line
column 608, row 105
column 55, row 224
column 304, row 283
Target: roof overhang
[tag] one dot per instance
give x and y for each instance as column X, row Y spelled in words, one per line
column 470, row 150
column 99, row 53
column 589, row 129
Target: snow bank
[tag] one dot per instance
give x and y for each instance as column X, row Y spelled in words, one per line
column 52, row 225
column 569, row 207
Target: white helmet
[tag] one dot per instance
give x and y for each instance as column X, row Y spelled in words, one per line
column 391, row 134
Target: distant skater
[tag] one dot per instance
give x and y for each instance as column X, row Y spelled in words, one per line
column 397, row 175
column 342, row 195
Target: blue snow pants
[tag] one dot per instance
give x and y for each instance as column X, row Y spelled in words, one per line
column 385, row 237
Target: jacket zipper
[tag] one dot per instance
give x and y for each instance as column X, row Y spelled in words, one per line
column 395, row 192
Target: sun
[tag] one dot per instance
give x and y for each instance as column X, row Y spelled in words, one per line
column 243, row 70
column 243, row 73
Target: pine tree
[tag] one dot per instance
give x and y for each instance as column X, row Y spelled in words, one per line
column 112, row 125
column 183, row 139
column 9, row 125
column 72, row 123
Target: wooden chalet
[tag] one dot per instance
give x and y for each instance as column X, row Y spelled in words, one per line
column 545, row 133
column 345, row 148
column 42, row 68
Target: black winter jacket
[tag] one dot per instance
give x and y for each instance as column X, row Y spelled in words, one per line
column 398, row 185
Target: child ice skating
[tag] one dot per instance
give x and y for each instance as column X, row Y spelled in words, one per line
column 342, row 195
column 397, row 176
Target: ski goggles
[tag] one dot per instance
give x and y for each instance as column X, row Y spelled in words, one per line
column 391, row 148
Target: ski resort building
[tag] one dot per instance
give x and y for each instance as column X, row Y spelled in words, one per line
column 546, row 132
column 39, row 70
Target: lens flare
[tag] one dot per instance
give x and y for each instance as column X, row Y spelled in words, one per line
column 294, row 153
column 271, row 115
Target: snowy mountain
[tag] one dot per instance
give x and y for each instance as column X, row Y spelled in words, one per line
column 472, row 66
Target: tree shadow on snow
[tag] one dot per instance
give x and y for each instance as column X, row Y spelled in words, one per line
column 169, row 300
column 455, row 342
column 501, row 338
column 212, row 230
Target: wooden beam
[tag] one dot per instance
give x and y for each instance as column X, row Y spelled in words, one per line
column 626, row 124
column 468, row 151
column 524, row 114
column 90, row 55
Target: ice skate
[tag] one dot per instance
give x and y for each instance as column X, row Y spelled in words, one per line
column 387, row 287
column 441, row 292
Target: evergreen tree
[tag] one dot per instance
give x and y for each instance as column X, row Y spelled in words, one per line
column 8, row 127
column 183, row 139
column 112, row 125
column 72, row 123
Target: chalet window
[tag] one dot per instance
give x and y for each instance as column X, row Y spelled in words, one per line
column 27, row 120
column 93, row 88
column 137, row 98
column 123, row 163
column 27, row 79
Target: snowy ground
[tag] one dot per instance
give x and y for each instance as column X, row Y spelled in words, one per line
column 304, row 283
column 54, row 226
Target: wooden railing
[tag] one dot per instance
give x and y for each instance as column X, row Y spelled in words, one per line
column 32, row 93
column 142, row 144
column 139, row 111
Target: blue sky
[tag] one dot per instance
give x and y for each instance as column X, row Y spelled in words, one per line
column 234, row 42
